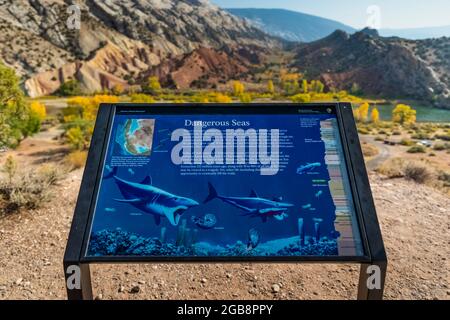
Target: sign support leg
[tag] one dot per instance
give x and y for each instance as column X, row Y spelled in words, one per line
column 371, row 281
column 78, row 281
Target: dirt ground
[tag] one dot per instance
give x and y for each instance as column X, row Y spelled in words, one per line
column 415, row 221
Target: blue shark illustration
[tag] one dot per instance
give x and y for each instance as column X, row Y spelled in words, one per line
column 308, row 167
column 254, row 205
column 150, row 199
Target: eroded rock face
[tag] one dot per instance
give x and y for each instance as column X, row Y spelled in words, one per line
column 388, row 67
column 118, row 39
column 202, row 68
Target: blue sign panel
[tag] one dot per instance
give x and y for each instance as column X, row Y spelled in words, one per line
column 243, row 185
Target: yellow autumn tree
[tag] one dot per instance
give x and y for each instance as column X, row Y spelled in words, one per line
column 364, row 111
column 238, row 88
column 221, row 98
column 305, row 86
column 142, row 98
column 357, row 114
column 39, row 110
column 404, row 114
column 153, row 86
column 118, row 90
column 375, row 115
column 246, row 98
column 76, row 139
column 270, row 87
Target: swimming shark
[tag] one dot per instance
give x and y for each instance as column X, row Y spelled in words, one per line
column 150, row 199
column 254, row 205
column 308, row 167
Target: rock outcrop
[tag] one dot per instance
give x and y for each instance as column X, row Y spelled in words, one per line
column 385, row 67
column 117, row 42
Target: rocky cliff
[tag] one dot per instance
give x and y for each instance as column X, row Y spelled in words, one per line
column 118, row 39
column 385, row 67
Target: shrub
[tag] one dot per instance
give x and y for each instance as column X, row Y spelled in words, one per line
column 28, row 190
column 444, row 137
column 369, row 150
column 445, row 178
column 417, row 172
column 393, row 168
column 76, row 159
column 421, row 136
column 441, row 146
column 407, row 142
column 417, row 149
column 363, row 131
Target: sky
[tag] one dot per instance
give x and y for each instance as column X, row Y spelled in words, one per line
column 392, row 14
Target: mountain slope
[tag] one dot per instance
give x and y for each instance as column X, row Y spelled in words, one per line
column 291, row 25
column 118, row 39
column 385, row 67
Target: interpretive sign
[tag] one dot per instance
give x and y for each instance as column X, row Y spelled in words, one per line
column 225, row 183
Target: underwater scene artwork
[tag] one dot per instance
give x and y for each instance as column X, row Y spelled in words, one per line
column 224, row 186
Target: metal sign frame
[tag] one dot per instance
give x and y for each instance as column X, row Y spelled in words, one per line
column 373, row 263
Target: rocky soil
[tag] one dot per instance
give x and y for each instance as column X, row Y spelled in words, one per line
column 415, row 224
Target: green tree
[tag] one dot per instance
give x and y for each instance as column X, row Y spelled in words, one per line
column 16, row 120
column 404, row 114
column 356, row 89
column 70, row 88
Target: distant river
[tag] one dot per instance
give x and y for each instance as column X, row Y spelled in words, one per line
column 424, row 113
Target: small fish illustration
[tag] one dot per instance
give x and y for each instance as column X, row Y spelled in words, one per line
column 253, row 239
column 308, row 167
column 319, row 193
column 131, row 171
column 307, row 206
column 207, row 222
column 110, row 209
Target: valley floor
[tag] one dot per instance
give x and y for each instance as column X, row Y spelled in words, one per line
column 414, row 219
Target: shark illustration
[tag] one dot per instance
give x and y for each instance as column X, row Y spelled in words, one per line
column 308, row 167
column 254, row 205
column 150, row 199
